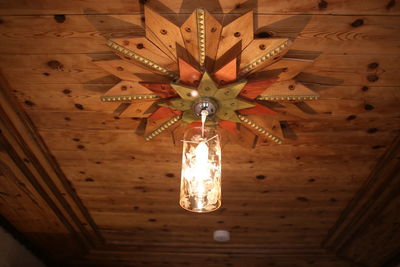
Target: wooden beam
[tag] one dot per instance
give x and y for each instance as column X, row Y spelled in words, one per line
column 367, row 232
column 24, row 157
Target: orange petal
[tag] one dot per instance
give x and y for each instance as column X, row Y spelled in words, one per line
column 188, row 74
column 227, row 73
column 229, row 126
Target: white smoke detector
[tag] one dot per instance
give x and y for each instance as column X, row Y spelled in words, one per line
column 222, row 236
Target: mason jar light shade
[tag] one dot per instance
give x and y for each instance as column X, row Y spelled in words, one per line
column 201, row 170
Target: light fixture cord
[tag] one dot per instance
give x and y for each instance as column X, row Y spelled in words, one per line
column 204, row 114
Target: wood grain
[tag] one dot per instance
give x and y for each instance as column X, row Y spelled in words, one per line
column 88, row 34
column 164, row 6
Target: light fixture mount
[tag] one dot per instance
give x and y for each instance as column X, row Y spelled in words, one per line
column 203, row 64
column 205, row 103
column 202, row 73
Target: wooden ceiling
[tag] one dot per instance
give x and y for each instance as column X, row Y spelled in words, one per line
column 85, row 190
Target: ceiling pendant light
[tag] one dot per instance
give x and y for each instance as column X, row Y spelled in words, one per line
column 201, row 162
column 205, row 79
column 201, row 170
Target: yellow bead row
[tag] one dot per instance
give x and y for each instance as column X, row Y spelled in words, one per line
column 260, row 129
column 114, row 98
column 163, row 127
column 140, row 59
column 201, row 33
column 255, row 63
column 289, row 98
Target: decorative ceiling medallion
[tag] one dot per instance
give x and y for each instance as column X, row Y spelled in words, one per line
column 173, row 73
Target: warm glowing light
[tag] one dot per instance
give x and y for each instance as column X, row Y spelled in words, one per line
column 194, row 93
column 201, row 170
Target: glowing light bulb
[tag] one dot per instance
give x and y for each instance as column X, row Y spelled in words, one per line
column 201, row 170
column 201, row 154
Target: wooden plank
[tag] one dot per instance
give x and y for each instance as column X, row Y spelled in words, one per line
column 75, row 69
column 327, row 70
column 233, row 183
column 23, row 206
column 348, row 7
column 264, row 256
column 89, row 34
column 350, row 115
column 99, row 141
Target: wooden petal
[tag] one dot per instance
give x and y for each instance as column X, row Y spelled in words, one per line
column 229, row 126
column 239, row 30
column 154, row 39
column 165, row 31
column 288, row 90
column 143, row 47
column 154, row 124
column 264, row 126
column 128, row 71
column 138, row 109
column 261, row 53
column 121, row 108
column 163, row 112
column 213, row 31
column 227, row 73
column 291, row 67
column 188, row 74
column 128, row 88
column 127, row 91
column 164, row 90
column 258, row 109
column 255, row 88
column 189, row 32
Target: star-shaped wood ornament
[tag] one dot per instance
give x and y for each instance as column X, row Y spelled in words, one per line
column 173, row 70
